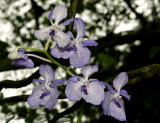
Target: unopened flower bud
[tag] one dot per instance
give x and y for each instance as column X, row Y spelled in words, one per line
column 14, row 55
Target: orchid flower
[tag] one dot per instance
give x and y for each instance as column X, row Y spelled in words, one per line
column 21, row 59
column 46, row 93
column 113, row 104
column 61, row 38
column 81, row 87
column 76, row 51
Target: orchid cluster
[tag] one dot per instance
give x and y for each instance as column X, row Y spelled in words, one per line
column 77, row 87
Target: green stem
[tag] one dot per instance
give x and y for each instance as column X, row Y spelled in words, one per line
column 81, row 114
column 32, row 49
column 50, row 57
column 47, row 44
column 72, row 11
column 57, row 63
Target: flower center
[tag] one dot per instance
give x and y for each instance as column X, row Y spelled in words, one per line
column 45, row 92
column 84, row 89
column 54, row 27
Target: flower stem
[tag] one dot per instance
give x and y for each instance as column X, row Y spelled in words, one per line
column 57, row 63
column 49, row 57
column 32, row 49
column 47, row 44
column 81, row 114
column 46, row 60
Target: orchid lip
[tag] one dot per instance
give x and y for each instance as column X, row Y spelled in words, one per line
column 44, row 94
column 83, row 88
column 117, row 103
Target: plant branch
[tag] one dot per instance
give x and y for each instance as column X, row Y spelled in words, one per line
column 140, row 74
column 20, row 83
column 72, row 12
column 67, row 111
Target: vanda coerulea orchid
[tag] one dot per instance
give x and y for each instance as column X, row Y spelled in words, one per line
column 46, row 93
column 113, row 104
column 61, row 38
column 76, row 87
column 20, row 58
column 76, row 51
column 81, row 87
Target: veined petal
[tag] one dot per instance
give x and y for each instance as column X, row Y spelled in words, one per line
column 61, row 38
column 57, row 82
column 53, row 98
column 39, row 80
column 29, row 63
column 79, row 26
column 120, row 81
column 55, row 52
column 73, row 91
column 60, row 52
column 70, row 34
column 95, row 93
column 74, row 78
column 23, row 62
column 43, row 34
column 80, row 57
column 50, row 15
column 34, row 100
column 118, row 112
column 59, row 12
column 89, row 70
column 125, row 94
column 89, row 43
column 47, row 72
column 106, row 103
column 108, row 86
column 67, row 22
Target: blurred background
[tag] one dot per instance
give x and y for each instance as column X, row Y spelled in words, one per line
column 128, row 33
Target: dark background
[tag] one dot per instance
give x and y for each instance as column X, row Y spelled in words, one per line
column 139, row 56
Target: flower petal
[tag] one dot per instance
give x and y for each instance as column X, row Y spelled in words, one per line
column 53, row 98
column 80, row 57
column 43, row 34
column 67, row 22
column 74, row 78
column 79, row 26
column 120, row 81
column 125, row 94
column 59, row 12
column 21, row 51
column 73, row 91
column 57, row 82
column 23, row 62
column 116, row 112
column 50, row 15
column 60, row 52
column 95, row 93
column 89, row 70
column 47, row 72
column 89, row 43
column 29, row 63
column 61, row 38
column 106, row 102
column 70, row 34
column 34, row 100
column 39, row 80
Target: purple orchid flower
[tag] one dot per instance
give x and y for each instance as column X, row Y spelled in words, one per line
column 76, row 51
column 90, row 90
column 61, row 38
column 23, row 60
column 113, row 104
column 45, row 94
